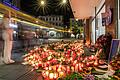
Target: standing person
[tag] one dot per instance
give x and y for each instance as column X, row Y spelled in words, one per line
column 7, row 36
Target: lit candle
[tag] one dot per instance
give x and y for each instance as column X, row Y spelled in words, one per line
column 51, row 75
column 47, row 73
column 95, row 63
column 68, row 69
column 75, row 62
column 61, row 74
column 88, row 64
column 55, row 75
column 43, row 74
column 59, row 69
column 50, row 68
column 80, row 69
column 46, row 68
column 92, row 57
column 72, row 68
column 76, row 67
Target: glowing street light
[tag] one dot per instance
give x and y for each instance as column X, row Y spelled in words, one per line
column 64, row 1
column 42, row 2
column 76, row 19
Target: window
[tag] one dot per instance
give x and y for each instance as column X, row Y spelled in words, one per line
column 50, row 19
column 53, row 18
column 58, row 19
column 46, row 19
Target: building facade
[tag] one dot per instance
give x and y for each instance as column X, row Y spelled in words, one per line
column 16, row 3
column 105, row 19
column 54, row 20
column 97, row 26
column 74, row 22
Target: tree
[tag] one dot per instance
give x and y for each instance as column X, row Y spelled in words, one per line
column 75, row 26
column 76, row 31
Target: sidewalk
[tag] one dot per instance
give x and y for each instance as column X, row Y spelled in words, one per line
column 17, row 71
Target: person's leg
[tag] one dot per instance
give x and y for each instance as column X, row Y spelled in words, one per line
column 10, row 51
column 7, row 48
column 5, row 56
column 5, row 51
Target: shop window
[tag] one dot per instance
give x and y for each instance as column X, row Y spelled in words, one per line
column 53, row 18
column 46, row 19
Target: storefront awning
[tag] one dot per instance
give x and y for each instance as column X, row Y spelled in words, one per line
column 83, row 9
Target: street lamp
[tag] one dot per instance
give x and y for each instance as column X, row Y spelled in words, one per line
column 64, row 1
column 64, row 4
column 76, row 19
column 42, row 3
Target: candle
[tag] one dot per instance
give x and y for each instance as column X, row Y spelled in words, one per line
column 82, row 65
column 59, row 69
column 88, row 64
column 72, row 68
column 50, row 68
column 71, row 58
column 55, row 75
column 68, row 69
column 75, row 62
column 40, row 64
column 76, row 67
column 46, row 68
column 51, row 75
column 47, row 73
column 44, row 74
column 95, row 63
column 61, row 74
column 80, row 69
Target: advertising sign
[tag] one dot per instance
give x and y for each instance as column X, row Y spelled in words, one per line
column 115, row 48
column 11, row 4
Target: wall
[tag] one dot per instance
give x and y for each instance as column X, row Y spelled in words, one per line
column 118, row 19
column 112, row 27
column 87, row 31
column 93, row 31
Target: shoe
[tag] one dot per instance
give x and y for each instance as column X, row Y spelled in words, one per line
column 11, row 61
column 6, row 62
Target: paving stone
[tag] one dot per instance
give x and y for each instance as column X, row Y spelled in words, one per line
column 2, row 79
column 12, row 72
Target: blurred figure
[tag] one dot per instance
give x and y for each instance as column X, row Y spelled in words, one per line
column 103, row 45
column 7, row 36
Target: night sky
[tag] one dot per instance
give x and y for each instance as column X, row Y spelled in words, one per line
column 52, row 8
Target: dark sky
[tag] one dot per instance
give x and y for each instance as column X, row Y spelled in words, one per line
column 52, row 8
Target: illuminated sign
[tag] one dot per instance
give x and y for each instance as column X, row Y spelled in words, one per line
column 10, row 4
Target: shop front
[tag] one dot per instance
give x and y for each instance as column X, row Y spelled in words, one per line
column 97, row 25
column 106, row 19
